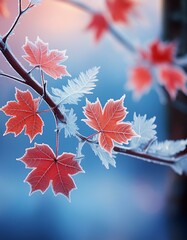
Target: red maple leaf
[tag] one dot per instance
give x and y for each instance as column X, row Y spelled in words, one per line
column 173, row 78
column 3, row 8
column 108, row 122
column 159, row 53
column 140, row 80
column 23, row 115
column 38, row 54
column 47, row 167
column 120, row 9
column 99, row 24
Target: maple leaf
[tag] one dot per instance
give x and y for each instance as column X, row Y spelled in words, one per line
column 23, row 115
column 99, row 24
column 47, row 167
column 38, row 54
column 159, row 52
column 3, row 8
column 173, row 78
column 139, row 81
column 108, row 122
column 120, row 9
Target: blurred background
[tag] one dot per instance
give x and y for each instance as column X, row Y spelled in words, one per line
column 134, row 201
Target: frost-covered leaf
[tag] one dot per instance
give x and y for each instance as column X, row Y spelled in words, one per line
column 144, row 128
column 106, row 158
column 168, row 148
column 77, row 87
column 79, row 154
column 180, row 166
column 108, row 122
column 23, row 115
column 39, row 55
column 47, row 167
column 70, row 128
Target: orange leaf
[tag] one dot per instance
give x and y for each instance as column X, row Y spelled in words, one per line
column 108, row 122
column 47, row 167
column 38, row 54
column 23, row 115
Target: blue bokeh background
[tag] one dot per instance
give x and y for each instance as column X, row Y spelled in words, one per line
column 126, row 202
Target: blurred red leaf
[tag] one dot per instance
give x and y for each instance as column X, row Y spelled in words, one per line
column 99, row 24
column 38, row 54
column 120, row 9
column 173, row 79
column 159, row 52
column 47, row 167
column 23, row 115
column 108, row 122
column 3, row 8
column 140, row 80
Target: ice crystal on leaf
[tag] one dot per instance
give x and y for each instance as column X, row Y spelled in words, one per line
column 70, row 127
column 108, row 122
column 144, row 128
column 106, row 158
column 24, row 114
column 77, row 87
column 48, row 167
column 39, row 55
column 168, row 148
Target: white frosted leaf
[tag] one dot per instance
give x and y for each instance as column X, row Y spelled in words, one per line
column 79, row 154
column 34, row 2
column 144, row 128
column 168, row 148
column 180, row 166
column 77, row 87
column 106, row 158
column 70, row 128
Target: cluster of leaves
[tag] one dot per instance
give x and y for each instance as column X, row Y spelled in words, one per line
column 117, row 11
column 157, row 65
column 112, row 134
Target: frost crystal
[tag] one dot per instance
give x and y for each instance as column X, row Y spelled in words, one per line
column 168, row 148
column 77, row 87
column 70, row 128
column 105, row 157
column 144, row 128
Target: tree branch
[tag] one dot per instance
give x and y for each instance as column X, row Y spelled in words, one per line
column 30, row 81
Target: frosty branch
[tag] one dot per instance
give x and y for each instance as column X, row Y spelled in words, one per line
column 112, row 134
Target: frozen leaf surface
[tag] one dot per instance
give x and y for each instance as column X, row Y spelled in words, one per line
column 24, row 114
column 47, row 167
column 39, row 55
column 144, row 128
column 77, row 87
column 108, row 122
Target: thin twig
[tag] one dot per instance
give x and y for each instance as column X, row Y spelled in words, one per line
column 12, row 77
